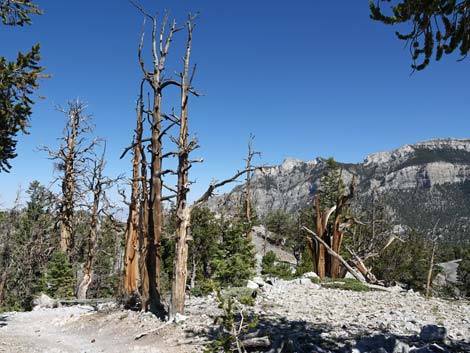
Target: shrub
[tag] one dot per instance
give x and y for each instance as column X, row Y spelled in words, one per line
column 234, row 323
column 270, row 267
column 204, row 287
column 346, row 284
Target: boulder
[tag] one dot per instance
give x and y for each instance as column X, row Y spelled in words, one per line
column 180, row 318
column 43, row 301
column 308, row 282
column 259, row 281
column 252, row 285
column 310, row 275
column 433, row 333
column 383, row 344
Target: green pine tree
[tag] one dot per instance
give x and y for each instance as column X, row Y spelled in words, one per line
column 205, row 233
column 58, row 278
column 331, row 184
column 234, row 261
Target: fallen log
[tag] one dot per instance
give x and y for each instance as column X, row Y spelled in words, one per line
column 359, row 264
column 334, row 254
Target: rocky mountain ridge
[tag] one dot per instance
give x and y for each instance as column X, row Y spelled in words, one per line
column 421, row 181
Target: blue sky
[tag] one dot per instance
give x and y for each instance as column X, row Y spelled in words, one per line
column 307, row 78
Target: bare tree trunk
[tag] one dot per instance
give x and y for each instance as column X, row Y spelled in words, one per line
column 153, row 209
column 431, row 266
column 359, row 264
column 431, row 261
column 251, row 154
column 320, row 256
column 193, row 272
column 131, row 255
column 97, row 183
column 183, row 213
column 144, row 238
column 88, row 269
column 336, row 255
column 71, row 158
column 68, row 185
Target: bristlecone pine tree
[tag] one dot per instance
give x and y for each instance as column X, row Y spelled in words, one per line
column 330, row 201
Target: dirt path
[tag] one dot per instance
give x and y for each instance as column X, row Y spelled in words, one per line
column 82, row 330
column 331, row 319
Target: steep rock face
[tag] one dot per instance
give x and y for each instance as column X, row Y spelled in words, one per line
column 418, row 182
column 422, row 165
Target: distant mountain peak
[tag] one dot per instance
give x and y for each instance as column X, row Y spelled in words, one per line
column 413, row 179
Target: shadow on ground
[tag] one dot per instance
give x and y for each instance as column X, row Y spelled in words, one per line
column 279, row 335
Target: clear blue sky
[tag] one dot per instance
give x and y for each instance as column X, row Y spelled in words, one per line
column 308, row 78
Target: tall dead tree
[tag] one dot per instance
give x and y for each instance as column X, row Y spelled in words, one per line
column 151, row 193
column 70, row 161
column 97, row 184
column 434, row 240
column 249, row 160
column 183, row 212
column 131, row 278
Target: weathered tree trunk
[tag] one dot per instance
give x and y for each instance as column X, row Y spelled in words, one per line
column 155, row 203
column 431, row 261
column 359, row 264
column 68, row 186
column 335, row 246
column 249, row 159
column 331, row 237
column 183, row 213
column 193, row 272
column 431, row 266
column 97, row 183
column 334, row 254
column 320, row 255
column 71, row 158
column 131, row 255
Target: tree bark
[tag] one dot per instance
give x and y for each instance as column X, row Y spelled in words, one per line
column 359, row 264
column 334, row 254
column 183, row 213
column 131, row 255
column 68, row 185
column 97, row 183
column 320, row 255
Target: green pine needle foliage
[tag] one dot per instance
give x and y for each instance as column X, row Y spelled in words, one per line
column 234, row 261
column 58, row 277
column 271, row 267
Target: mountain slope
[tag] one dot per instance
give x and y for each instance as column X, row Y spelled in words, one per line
column 419, row 183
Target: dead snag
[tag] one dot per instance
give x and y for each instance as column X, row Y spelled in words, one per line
column 70, row 160
column 96, row 183
column 249, row 159
column 131, row 273
column 183, row 212
column 151, row 213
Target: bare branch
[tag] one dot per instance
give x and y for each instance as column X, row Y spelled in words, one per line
column 210, row 190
